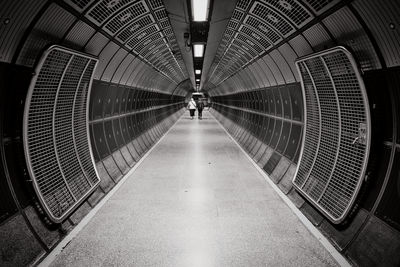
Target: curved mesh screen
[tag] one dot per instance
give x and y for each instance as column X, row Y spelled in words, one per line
column 56, row 139
column 336, row 138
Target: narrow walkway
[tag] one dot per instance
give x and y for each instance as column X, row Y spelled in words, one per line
column 196, row 200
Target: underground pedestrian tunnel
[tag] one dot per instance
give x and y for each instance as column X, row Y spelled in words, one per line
column 299, row 142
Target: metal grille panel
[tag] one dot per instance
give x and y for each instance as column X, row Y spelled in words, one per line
column 56, row 138
column 292, row 10
column 135, row 27
column 273, row 18
column 336, row 139
column 263, row 28
column 125, row 17
column 319, row 6
column 104, row 9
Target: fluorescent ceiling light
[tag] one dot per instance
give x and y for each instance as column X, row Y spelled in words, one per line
column 198, row 50
column 197, row 71
column 197, row 80
column 200, row 10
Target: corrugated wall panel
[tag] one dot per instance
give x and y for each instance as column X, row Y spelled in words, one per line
column 383, row 20
column 318, row 37
column 348, row 31
column 96, row 44
column 274, row 69
column 283, row 66
column 79, row 34
column 15, row 18
column 122, row 69
column 49, row 29
column 301, row 46
column 113, row 65
column 290, row 56
column 105, row 56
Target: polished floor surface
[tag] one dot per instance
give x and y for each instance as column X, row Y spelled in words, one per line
column 196, row 200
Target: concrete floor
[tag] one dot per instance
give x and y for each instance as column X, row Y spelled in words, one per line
column 196, row 200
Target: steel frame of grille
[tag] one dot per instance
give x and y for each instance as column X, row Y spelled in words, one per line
column 57, row 146
column 337, row 133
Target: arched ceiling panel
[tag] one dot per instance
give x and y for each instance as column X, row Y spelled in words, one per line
column 257, row 79
column 318, row 37
column 127, row 73
column 79, row 35
column 104, row 58
column 277, row 74
column 121, row 69
column 96, row 44
column 290, row 56
column 113, row 64
column 283, row 66
column 139, row 28
column 301, row 46
column 269, row 78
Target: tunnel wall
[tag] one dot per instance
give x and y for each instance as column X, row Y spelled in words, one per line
column 132, row 106
column 125, row 122
column 241, row 102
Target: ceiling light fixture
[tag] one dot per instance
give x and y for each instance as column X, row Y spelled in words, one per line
column 198, row 50
column 197, row 80
column 197, row 71
column 200, row 9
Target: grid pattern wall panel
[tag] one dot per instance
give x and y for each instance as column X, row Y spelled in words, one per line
column 56, row 140
column 336, row 139
column 293, row 10
column 320, row 6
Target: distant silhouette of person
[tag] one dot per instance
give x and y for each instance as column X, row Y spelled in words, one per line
column 192, row 107
column 200, row 107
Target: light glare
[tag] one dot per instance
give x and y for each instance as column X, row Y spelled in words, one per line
column 198, row 50
column 199, row 10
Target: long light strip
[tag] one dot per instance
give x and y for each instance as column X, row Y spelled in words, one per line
column 200, row 10
column 198, row 50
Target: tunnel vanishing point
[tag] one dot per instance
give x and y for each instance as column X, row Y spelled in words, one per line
column 310, row 89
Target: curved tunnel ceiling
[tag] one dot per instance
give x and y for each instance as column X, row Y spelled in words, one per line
column 263, row 39
column 251, row 45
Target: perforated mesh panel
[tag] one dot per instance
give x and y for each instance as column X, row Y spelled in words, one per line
column 320, row 6
column 79, row 4
column 56, row 136
column 292, row 9
column 134, row 27
column 273, row 18
column 126, row 16
column 104, row 9
column 336, row 139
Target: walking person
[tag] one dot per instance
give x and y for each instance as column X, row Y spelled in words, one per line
column 192, row 107
column 200, row 107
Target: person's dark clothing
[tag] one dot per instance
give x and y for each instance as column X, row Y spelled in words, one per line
column 200, row 107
